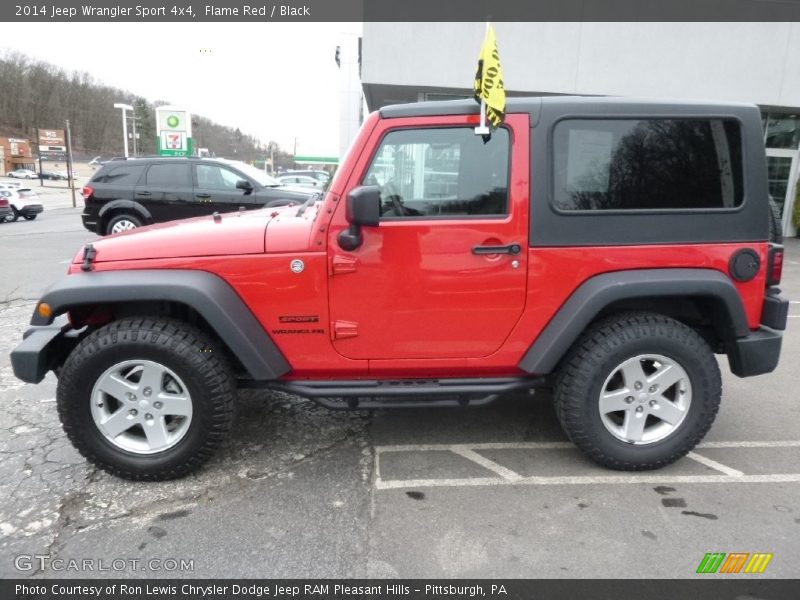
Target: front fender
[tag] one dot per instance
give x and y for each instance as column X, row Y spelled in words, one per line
column 212, row 297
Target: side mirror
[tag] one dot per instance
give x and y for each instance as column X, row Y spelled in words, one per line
column 245, row 185
column 363, row 210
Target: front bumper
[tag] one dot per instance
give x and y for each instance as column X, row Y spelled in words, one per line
column 41, row 348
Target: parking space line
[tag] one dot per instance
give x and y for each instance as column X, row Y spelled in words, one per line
column 764, row 444
column 469, row 454
column 394, row 484
column 714, row 464
column 509, row 477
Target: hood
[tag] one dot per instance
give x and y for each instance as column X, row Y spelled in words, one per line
column 230, row 233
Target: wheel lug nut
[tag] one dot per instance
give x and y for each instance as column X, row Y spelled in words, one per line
column 639, row 409
column 629, row 399
column 638, row 385
column 133, row 412
column 158, row 405
column 653, row 403
column 147, row 391
column 653, row 389
column 149, row 417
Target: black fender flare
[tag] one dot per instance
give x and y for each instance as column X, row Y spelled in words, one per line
column 211, row 296
column 598, row 292
column 108, row 207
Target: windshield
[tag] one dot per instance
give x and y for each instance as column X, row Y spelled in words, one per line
column 254, row 173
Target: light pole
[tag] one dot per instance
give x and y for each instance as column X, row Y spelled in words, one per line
column 125, row 108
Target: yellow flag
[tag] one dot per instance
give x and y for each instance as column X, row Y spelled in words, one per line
column 489, row 80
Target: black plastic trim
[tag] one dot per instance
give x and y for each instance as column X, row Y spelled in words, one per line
column 365, row 388
column 129, row 204
column 756, row 354
column 31, row 359
column 598, row 292
column 775, row 310
column 206, row 293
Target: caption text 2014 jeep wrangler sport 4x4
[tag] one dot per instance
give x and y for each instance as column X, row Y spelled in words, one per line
column 611, row 245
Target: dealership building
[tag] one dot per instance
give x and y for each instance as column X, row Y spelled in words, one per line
column 741, row 62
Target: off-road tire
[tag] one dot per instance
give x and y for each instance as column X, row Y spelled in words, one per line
column 137, row 222
column 593, row 358
column 183, row 349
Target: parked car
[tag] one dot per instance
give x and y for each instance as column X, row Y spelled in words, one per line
column 125, row 194
column 23, row 174
column 53, row 175
column 24, row 202
column 590, row 245
column 9, row 183
column 6, row 213
column 301, row 180
column 317, row 174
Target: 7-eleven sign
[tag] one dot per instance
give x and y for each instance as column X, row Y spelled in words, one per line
column 173, row 143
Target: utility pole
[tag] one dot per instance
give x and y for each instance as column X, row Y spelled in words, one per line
column 70, row 179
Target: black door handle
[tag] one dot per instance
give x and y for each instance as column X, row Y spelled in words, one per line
column 143, row 194
column 203, row 195
column 508, row 249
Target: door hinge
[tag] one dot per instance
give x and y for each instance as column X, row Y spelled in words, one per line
column 344, row 329
column 343, row 264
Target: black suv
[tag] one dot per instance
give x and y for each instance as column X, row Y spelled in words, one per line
column 127, row 193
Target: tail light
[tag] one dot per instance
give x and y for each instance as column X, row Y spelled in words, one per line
column 4, row 202
column 87, row 191
column 775, row 265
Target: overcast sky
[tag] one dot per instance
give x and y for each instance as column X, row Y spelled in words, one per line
column 276, row 81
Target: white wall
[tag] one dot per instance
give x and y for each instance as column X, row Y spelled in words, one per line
column 751, row 62
column 350, row 94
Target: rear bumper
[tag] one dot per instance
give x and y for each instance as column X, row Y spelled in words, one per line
column 40, row 348
column 756, row 354
column 91, row 222
column 30, row 209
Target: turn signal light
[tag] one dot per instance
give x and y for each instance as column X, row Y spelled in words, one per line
column 44, row 310
column 86, row 191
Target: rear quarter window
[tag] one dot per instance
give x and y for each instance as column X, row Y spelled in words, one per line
column 122, row 175
column 647, row 164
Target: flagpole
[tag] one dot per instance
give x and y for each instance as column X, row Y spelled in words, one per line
column 482, row 129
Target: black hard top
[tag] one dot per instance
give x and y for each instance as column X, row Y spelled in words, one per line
column 572, row 104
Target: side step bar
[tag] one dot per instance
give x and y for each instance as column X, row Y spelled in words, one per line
column 384, row 393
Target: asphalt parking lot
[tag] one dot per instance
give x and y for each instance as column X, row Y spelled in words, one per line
column 299, row 491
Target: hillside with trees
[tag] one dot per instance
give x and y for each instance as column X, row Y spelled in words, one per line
column 35, row 94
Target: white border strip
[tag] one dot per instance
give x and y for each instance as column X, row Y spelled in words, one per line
column 469, row 454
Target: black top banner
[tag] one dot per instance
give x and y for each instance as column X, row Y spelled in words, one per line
column 400, row 10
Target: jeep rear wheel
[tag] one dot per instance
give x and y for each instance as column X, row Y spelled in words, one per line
column 122, row 222
column 146, row 399
column 638, row 391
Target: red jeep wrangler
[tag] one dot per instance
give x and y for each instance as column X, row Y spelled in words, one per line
column 612, row 246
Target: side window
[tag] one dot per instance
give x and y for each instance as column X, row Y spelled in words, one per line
column 169, row 175
column 441, row 172
column 647, row 164
column 216, row 178
column 123, row 175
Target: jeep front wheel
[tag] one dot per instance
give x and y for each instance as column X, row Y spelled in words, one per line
column 146, row 399
column 638, row 391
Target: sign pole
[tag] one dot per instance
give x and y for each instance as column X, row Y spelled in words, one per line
column 482, row 129
column 39, row 138
column 70, row 180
